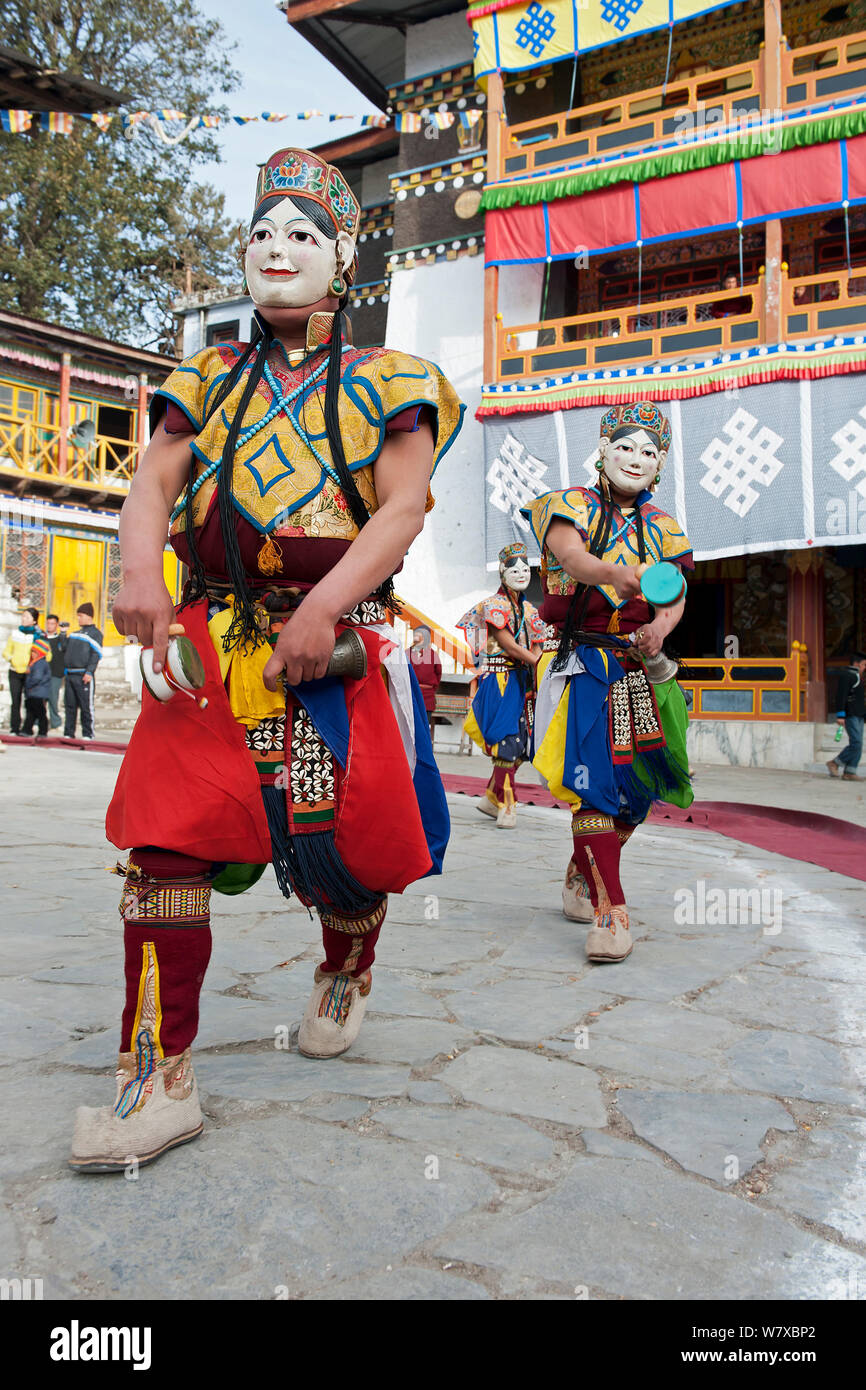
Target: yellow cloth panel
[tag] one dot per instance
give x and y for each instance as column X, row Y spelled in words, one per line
column 513, row 39
column 550, row 757
column 171, row 571
column 249, row 697
column 592, row 30
column 485, row 52
column 544, row 35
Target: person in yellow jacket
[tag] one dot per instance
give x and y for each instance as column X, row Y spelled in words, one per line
column 17, row 652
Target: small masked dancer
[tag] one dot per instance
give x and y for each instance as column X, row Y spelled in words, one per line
column 506, row 635
column 610, row 718
column 292, row 473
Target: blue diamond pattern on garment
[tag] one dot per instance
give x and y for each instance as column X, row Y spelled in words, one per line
column 267, row 478
column 619, row 13
column 536, row 29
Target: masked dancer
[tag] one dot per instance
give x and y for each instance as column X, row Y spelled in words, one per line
column 293, row 474
column 610, row 719
column 506, row 636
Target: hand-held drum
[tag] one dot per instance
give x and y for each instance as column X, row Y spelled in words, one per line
column 662, row 585
column 182, row 673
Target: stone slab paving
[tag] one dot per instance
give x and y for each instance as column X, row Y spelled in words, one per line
column 514, row 1123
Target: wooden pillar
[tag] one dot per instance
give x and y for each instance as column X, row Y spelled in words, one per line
column 495, row 123
column 773, row 327
column 63, row 413
column 806, row 624
column 142, row 418
column 771, row 93
column 772, row 101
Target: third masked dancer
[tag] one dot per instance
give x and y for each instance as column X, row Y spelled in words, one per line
column 610, row 718
column 292, row 472
column 506, row 636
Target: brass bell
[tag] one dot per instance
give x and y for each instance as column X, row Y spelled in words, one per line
column 349, row 657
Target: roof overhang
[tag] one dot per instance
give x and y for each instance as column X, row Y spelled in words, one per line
column 365, row 40
column 84, row 345
column 24, row 83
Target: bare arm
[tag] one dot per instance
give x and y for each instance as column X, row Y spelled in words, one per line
column 513, row 648
column 565, row 542
column 401, row 474
column 653, row 634
column 144, row 608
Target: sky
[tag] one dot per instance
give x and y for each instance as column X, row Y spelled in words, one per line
column 280, row 72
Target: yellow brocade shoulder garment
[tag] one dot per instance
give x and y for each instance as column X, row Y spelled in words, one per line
column 279, row 484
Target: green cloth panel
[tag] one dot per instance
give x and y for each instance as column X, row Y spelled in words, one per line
column 675, row 722
column 816, row 132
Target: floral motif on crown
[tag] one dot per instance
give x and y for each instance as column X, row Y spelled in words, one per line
column 300, row 171
column 643, row 415
column 342, row 201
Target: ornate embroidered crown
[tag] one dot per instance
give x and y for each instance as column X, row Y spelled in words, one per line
column 515, row 551
column 301, row 171
column 643, row 415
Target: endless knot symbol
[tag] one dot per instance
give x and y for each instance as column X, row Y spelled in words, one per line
column 515, row 477
column 850, row 440
column 537, row 28
column 740, row 461
column 619, row 12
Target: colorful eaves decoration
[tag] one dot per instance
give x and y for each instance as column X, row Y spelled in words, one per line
column 515, row 37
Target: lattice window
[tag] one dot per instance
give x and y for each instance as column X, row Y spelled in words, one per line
column 25, row 564
column 114, row 575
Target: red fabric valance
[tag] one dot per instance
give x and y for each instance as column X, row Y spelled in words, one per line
column 793, row 182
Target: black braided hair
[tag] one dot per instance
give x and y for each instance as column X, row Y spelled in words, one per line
column 580, row 598
column 196, row 587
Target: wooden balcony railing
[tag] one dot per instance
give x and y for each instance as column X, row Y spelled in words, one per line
column 643, row 118
column 822, row 71
column 826, row 303
column 748, row 687
column 726, row 96
column 32, row 450
column 812, row 305
column 638, row 333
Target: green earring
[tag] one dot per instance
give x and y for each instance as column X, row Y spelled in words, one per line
column 599, row 463
column 658, row 477
column 338, row 286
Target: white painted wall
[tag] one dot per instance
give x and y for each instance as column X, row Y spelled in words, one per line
column 195, row 321
column 441, row 43
column 436, row 312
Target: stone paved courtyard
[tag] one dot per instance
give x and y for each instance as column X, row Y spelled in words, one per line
column 512, row 1123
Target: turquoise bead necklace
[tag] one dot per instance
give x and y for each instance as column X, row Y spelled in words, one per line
column 280, row 402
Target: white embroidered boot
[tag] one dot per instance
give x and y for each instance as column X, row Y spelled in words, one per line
column 609, row 938
column 507, row 817
column 576, row 901
column 334, row 1013
column 157, row 1108
column 487, row 804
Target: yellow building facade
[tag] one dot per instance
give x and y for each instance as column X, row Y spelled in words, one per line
column 73, row 423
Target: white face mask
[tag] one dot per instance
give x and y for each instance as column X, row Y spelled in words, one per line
column 289, row 263
column 516, row 575
column 631, row 462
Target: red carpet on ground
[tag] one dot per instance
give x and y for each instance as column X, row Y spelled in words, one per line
column 814, row 839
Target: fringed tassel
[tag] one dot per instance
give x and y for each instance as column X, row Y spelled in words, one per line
column 310, row 865
column 664, row 773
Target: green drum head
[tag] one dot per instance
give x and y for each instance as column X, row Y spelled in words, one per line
column 237, row 878
column 191, row 663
